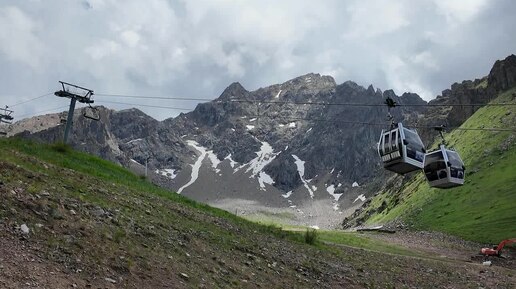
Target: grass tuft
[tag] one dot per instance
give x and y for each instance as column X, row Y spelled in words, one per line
column 311, row 236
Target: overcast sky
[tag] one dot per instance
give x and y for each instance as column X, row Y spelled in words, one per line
column 194, row 48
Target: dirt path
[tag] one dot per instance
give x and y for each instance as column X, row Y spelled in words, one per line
column 445, row 247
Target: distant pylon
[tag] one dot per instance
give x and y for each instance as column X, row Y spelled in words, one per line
column 75, row 93
column 5, row 117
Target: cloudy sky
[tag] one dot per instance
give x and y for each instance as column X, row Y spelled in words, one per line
column 196, row 48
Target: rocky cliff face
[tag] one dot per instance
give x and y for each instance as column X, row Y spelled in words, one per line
column 503, row 74
column 286, row 145
column 464, row 97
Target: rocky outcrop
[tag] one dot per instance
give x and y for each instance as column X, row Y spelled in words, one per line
column 503, row 74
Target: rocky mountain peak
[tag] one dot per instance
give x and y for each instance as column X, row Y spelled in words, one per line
column 234, row 90
column 503, row 74
column 353, row 85
column 315, row 79
column 412, row 98
column 306, row 85
column 370, row 89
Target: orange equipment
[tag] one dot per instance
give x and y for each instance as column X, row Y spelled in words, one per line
column 497, row 250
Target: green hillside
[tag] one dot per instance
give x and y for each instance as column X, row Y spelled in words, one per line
column 484, row 209
column 95, row 219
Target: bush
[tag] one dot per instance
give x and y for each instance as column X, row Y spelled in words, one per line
column 61, row 147
column 311, row 236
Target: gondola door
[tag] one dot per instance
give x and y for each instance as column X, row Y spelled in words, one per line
column 395, row 144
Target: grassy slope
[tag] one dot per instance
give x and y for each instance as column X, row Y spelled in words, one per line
column 484, row 209
column 138, row 221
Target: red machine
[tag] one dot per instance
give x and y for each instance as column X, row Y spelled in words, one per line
column 497, row 250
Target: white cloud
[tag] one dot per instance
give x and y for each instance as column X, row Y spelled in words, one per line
column 374, row 18
column 459, row 10
column 196, row 48
column 425, row 59
column 18, row 40
column 103, row 49
column 130, row 38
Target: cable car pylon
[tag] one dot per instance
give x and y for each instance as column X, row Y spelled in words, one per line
column 75, row 93
column 5, row 117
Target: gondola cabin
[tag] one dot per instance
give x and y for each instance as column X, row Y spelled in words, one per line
column 444, row 168
column 401, row 150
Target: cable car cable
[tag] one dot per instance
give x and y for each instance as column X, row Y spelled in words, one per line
column 154, row 97
column 304, row 103
column 35, row 113
column 291, row 118
column 379, row 124
column 145, row 105
column 29, row 100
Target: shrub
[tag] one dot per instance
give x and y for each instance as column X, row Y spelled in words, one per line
column 311, row 236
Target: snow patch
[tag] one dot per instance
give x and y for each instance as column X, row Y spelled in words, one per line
column 288, row 194
column 360, row 197
column 277, row 95
column 332, row 170
column 301, row 170
column 263, row 157
column 281, row 125
column 134, row 140
column 136, row 162
column 309, row 130
column 292, row 124
column 252, row 119
column 263, row 179
column 331, row 191
column 355, row 185
column 196, row 166
column 169, row 173
column 232, row 163
column 214, row 161
column 336, row 207
column 249, row 127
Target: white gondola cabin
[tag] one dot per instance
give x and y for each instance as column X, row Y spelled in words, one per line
column 401, row 150
column 444, row 168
